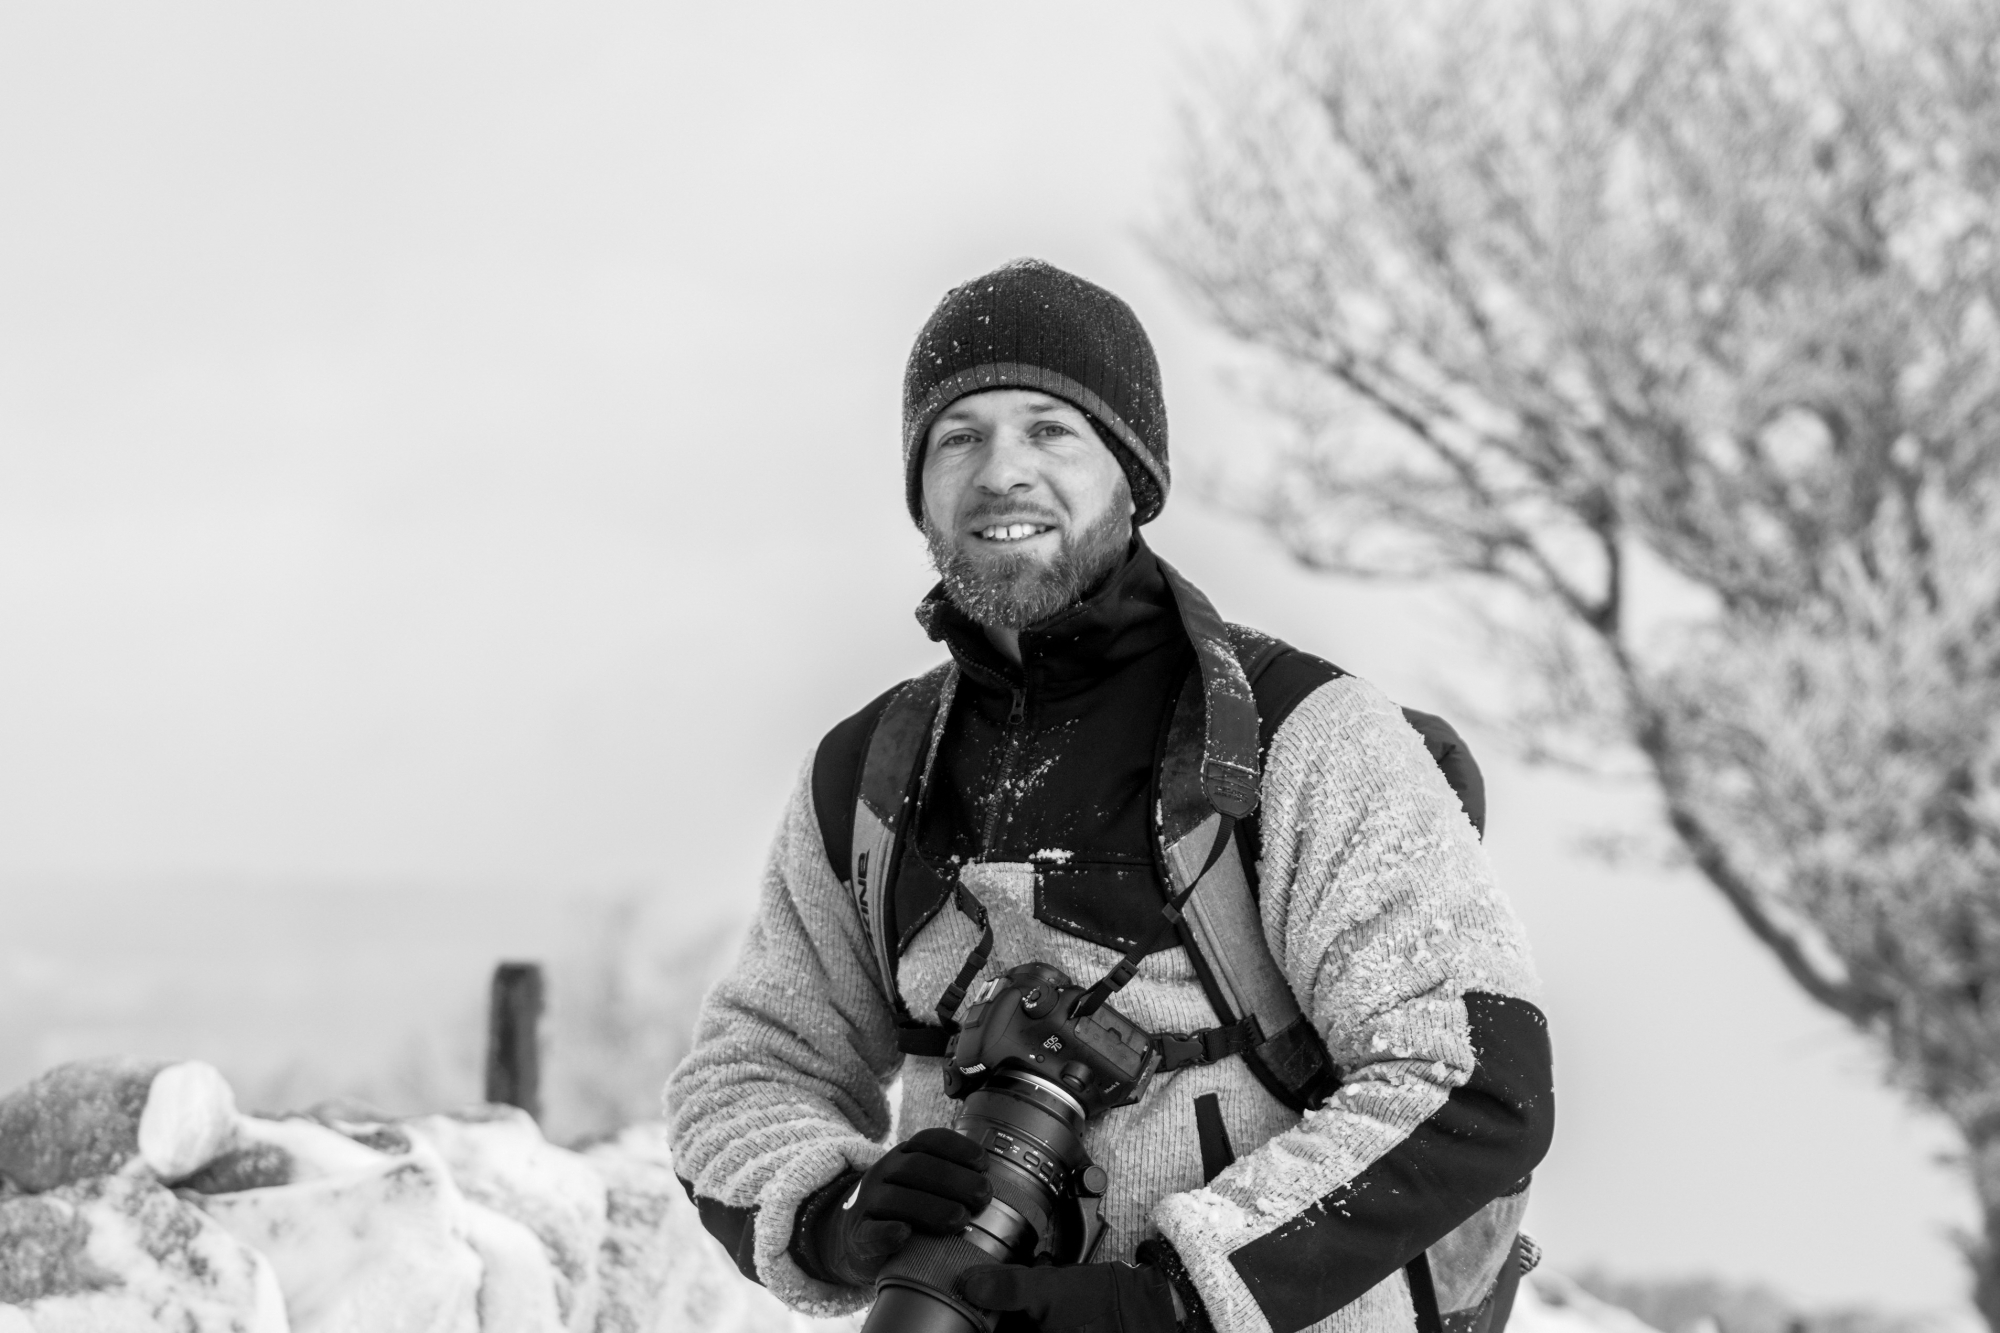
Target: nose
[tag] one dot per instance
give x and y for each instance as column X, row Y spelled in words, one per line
column 1007, row 465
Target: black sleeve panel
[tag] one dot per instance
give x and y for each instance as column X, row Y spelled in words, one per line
column 837, row 780
column 1454, row 757
column 1481, row 1144
column 1284, row 679
column 1282, row 684
column 736, row 1228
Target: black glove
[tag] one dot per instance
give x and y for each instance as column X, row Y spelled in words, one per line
column 1084, row 1298
column 930, row 1182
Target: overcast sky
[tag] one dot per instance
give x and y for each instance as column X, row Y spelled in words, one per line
column 453, row 444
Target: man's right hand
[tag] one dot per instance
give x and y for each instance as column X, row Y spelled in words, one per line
column 930, row 1182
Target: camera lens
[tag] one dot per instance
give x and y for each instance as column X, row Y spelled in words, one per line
column 1032, row 1131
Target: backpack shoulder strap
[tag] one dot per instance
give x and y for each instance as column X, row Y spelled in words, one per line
column 1227, row 766
column 894, row 766
column 1224, row 932
column 1201, row 802
column 836, row 779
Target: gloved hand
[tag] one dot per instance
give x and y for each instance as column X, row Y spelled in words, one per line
column 929, row 1182
column 1083, row 1298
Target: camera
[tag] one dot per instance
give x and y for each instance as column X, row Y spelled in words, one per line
column 1032, row 1061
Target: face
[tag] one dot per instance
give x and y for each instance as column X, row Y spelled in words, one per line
column 1025, row 506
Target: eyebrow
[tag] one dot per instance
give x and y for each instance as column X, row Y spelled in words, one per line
column 965, row 414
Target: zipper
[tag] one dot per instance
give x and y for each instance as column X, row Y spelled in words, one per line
column 1002, row 802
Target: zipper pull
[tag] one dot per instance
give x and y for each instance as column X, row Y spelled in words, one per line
column 1019, row 714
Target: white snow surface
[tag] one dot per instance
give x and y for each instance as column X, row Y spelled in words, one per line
column 468, row 1222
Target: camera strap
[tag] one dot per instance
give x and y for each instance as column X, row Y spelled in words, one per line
column 1179, row 1050
column 1169, row 924
column 954, row 994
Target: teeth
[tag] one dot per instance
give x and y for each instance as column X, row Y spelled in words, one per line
column 1012, row 532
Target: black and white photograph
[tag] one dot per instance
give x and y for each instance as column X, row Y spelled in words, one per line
column 1135, row 666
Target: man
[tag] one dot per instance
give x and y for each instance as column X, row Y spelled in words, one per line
column 1035, row 444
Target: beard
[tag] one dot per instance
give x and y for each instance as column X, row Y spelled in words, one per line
column 1005, row 590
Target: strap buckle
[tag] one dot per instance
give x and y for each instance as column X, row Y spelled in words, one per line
column 1178, row 1050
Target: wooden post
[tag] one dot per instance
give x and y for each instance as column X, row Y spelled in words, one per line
column 513, row 1038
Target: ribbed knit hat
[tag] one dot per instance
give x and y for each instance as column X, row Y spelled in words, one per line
column 1029, row 325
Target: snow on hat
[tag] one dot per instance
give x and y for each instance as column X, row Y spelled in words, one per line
column 1030, row 325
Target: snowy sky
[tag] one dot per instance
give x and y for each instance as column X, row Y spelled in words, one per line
column 452, row 444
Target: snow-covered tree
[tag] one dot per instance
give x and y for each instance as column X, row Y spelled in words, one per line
column 1587, row 302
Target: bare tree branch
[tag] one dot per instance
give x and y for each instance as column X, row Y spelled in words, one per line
column 1712, row 287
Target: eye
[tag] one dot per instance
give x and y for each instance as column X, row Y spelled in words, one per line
column 1051, row 430
column 955, row 439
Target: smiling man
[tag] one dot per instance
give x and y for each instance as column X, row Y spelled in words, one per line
column 1025, row 509
column 1276, row 870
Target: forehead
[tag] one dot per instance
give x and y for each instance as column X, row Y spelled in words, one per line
column 999, row 404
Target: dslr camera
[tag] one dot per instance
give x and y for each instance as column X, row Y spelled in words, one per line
column 1032, row 1062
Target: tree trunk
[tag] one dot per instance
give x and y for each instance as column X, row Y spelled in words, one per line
column 1982, row 1140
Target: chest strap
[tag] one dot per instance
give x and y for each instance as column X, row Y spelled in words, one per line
column 1178, row 1050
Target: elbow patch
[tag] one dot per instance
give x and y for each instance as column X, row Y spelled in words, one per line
column 1481, row 1144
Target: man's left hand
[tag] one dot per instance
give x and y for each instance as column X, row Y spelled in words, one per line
column 1084, row 1298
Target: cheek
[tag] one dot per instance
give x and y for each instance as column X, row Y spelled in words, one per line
column 1092, row 489
column 940, row 491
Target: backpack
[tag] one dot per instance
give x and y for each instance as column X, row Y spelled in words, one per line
column 1206, row 786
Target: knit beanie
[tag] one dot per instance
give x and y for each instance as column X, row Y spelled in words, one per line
column 1029, row 325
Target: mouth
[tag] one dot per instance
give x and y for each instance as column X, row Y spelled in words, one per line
column 1004, row 533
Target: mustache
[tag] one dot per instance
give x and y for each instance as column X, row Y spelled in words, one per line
column 1011, row 510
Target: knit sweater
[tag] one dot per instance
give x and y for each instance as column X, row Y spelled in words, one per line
column 1379, row 907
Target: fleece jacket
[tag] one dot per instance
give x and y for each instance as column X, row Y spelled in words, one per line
column 1377, row 903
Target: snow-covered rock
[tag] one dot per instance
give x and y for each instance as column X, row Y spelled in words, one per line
column 95, row 1117
column 499, row 1158
column 262, row 1153
column 121, row 1254
column 328, row 1223
column 517, row 1284
column 379, row 1249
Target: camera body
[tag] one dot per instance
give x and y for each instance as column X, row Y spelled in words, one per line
column 1030, row 1070
column 1025, row 1020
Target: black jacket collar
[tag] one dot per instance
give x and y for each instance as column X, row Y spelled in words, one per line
column 1130, row 615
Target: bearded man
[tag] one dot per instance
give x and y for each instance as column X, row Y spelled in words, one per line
column 1347, row 1147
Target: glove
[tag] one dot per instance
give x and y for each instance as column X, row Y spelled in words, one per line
column 930, row 1182
column 1084, row 1298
